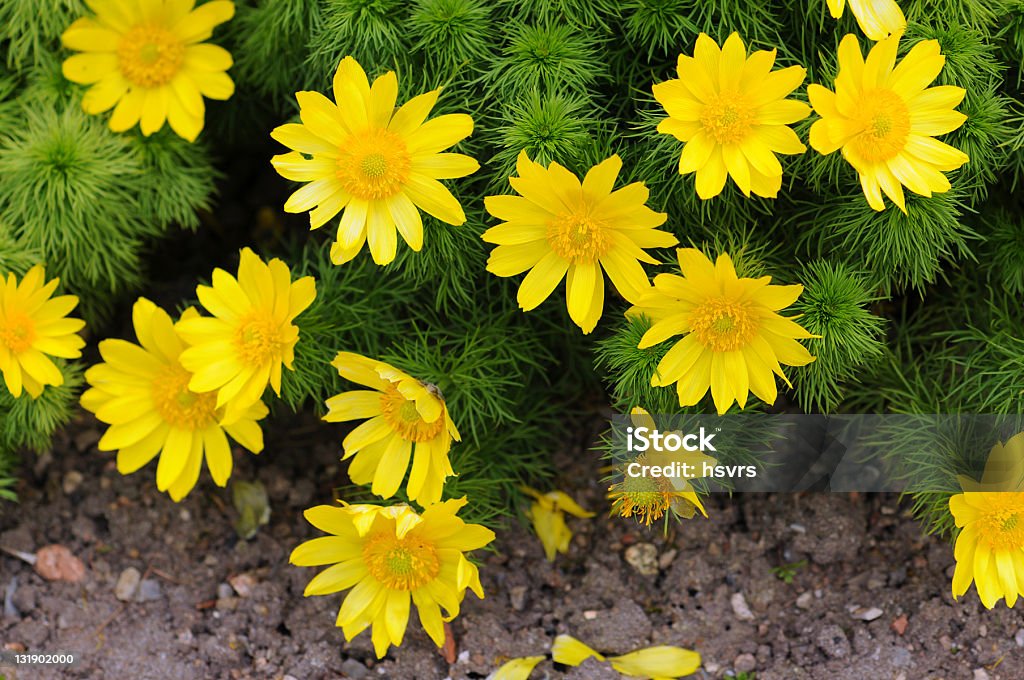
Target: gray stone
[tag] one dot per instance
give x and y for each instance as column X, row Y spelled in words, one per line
column 805, row 600
column 643, row 557
column 740, row 607
column 744, row 663
column 833, row 642
column 149, row 590
column 517, row 597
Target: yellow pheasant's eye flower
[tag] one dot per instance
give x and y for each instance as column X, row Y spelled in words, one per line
column 732, row 112
column 661, row 662
column 146, row 59
column 734, row 339
column 884, row 118
column 142, row 392
column 387, row 556
column 877, row 18
column 378, row 165
column 408, row 419
column 34, row 327
column 990, row 547
column 547, row 515
column 251, row 335
column 561, row 228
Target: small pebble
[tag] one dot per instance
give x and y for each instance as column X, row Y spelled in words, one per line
column 667, row 557
column 643, row 557
column 517, row 597
column 149, row 590
column 1019, row 637
column 127, row 584
column 740, row 607
column 744, row 663
column 805, row 600
column 72, row 480
column 869, row 614
column 590, row 615
column 224, row 590
column 243, row 583
column 980, row 674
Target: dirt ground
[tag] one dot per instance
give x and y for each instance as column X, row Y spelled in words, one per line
column 869, row 597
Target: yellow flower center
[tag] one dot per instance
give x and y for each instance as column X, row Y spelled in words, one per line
column 177, row 405
column 1002, row 524
column 258, row 339
column 724, row 325
column 17, row 332
column 150, row 56
column 401, row 414
column 373, row 165
column 646, row 498
column 400, row 563
column 884, row 121
column 728, row 118
column 578, row 237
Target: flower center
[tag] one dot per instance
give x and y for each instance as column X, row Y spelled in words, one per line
column 401, row 414
column 258, row 339
column 400, row 563
column 177, row 405
column 728, row 118
column 578, row 237
column 17, row 332
column 724, row 325
column 1003, row 524
column 150, row 56
column 646, row 498
column 373, row 165
column 884, row 121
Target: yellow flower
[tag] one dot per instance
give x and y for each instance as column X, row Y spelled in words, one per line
column 407, row 419
column 884, row 119
column 148, row 58
column 516, row 669
column 33, row 327
column 546, row 513
column 734, row 339
column 732, row 112
column 378, row 165
column 990, row 547
column 876, row 18
column 649, row 497
column 661, row 662
column 388, row 555
column 559, row 228
column 142, row 392
column 250, row 337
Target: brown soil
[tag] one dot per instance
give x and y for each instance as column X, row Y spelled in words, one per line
column 860, row 552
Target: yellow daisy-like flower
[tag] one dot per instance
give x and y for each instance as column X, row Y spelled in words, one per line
column 884, row 119
column 877, row 18
column 387, row 556
column 561, row 228
column 148, row 58
column 648, row 497
column 734, row 339
column 251, row 335
column 662, row 663
column 378, row 165
column 990, row 547
column 547, row 515
column 142, row 392
column 732, row 112
column 34, row 327
column 407, row 419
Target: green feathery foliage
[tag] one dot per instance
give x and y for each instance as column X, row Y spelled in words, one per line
column 29, row 28
column 452, row 36
column 543, row 58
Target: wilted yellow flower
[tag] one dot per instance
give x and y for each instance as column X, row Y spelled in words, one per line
column 148, row 58
column 561, row 228
column 547, row 515
column 251, row 335
column 516, row 669
column 732, row 112
column 34, row 327
column 877, row 18
column 989, row 549
column 661, row 662
column 142, row 392
column 733, row 337
column 884, row 119
column 649, row 497
column 407, row 419
column 378, row 165
column 387, row 556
